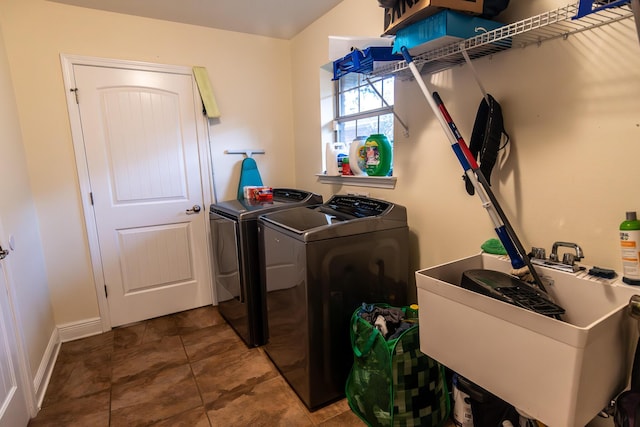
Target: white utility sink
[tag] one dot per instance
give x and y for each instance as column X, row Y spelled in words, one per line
column 561, row 372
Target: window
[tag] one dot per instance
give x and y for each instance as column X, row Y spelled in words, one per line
column 360, row 111
column 350, row 107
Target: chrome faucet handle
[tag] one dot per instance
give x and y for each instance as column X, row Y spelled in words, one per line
column 568, row 258
column 634, row 306
column 554, row 250
column 538, row 253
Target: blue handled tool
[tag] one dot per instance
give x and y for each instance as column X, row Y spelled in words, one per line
column 520, row 262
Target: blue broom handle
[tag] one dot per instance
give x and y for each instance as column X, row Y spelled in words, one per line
column 466, row 161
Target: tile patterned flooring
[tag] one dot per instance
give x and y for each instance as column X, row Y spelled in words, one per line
column 187, row 369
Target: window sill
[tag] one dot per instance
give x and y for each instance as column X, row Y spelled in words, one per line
column 359, row 181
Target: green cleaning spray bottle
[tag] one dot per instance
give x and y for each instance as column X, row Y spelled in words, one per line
column 630, row 248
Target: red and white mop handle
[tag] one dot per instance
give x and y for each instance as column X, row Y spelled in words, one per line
column 467, row 161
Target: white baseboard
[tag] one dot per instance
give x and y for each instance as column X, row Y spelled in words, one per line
column 63, row 333
column 43, row 376
column 76, row 330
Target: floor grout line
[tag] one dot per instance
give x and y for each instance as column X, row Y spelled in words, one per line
column 64, row 412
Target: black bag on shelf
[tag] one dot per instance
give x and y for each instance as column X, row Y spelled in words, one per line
column 490, row 8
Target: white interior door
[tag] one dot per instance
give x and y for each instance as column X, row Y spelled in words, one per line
column 141, row 145
column 13, row 407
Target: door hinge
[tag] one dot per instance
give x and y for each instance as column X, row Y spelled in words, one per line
column 75, row 92
column 106, row 293
column 91, row 198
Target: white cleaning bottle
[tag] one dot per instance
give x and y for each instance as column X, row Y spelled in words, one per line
column 334, row 151
column 358, row 156
column 461, row 413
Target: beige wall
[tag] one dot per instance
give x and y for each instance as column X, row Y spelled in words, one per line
column 310, row 51
column 250, row 76
column 570, row 106
column 25, row 264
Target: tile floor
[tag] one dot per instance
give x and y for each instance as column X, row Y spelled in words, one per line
column 187, row 369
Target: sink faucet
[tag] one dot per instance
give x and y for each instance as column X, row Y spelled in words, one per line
column 567, row 259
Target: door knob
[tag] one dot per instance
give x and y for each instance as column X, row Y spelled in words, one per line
column 3, row 253
column 194, row 210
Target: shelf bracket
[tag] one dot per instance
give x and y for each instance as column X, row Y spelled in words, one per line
column 247, row 153
column 386, row 104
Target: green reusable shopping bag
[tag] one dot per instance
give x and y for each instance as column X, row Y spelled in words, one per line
column 392, row 383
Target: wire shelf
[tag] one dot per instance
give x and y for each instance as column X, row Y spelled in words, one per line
column 534, row 30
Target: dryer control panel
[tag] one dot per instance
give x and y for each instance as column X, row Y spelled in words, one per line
column 358, row 206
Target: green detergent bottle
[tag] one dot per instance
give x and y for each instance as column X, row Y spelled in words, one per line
column 630, row 246
column 378, row 155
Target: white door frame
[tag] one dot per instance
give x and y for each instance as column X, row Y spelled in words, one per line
column 28, row 389
column 68, row 61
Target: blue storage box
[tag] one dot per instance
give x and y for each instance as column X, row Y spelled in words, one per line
column 439, row 30
column 363, row 61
